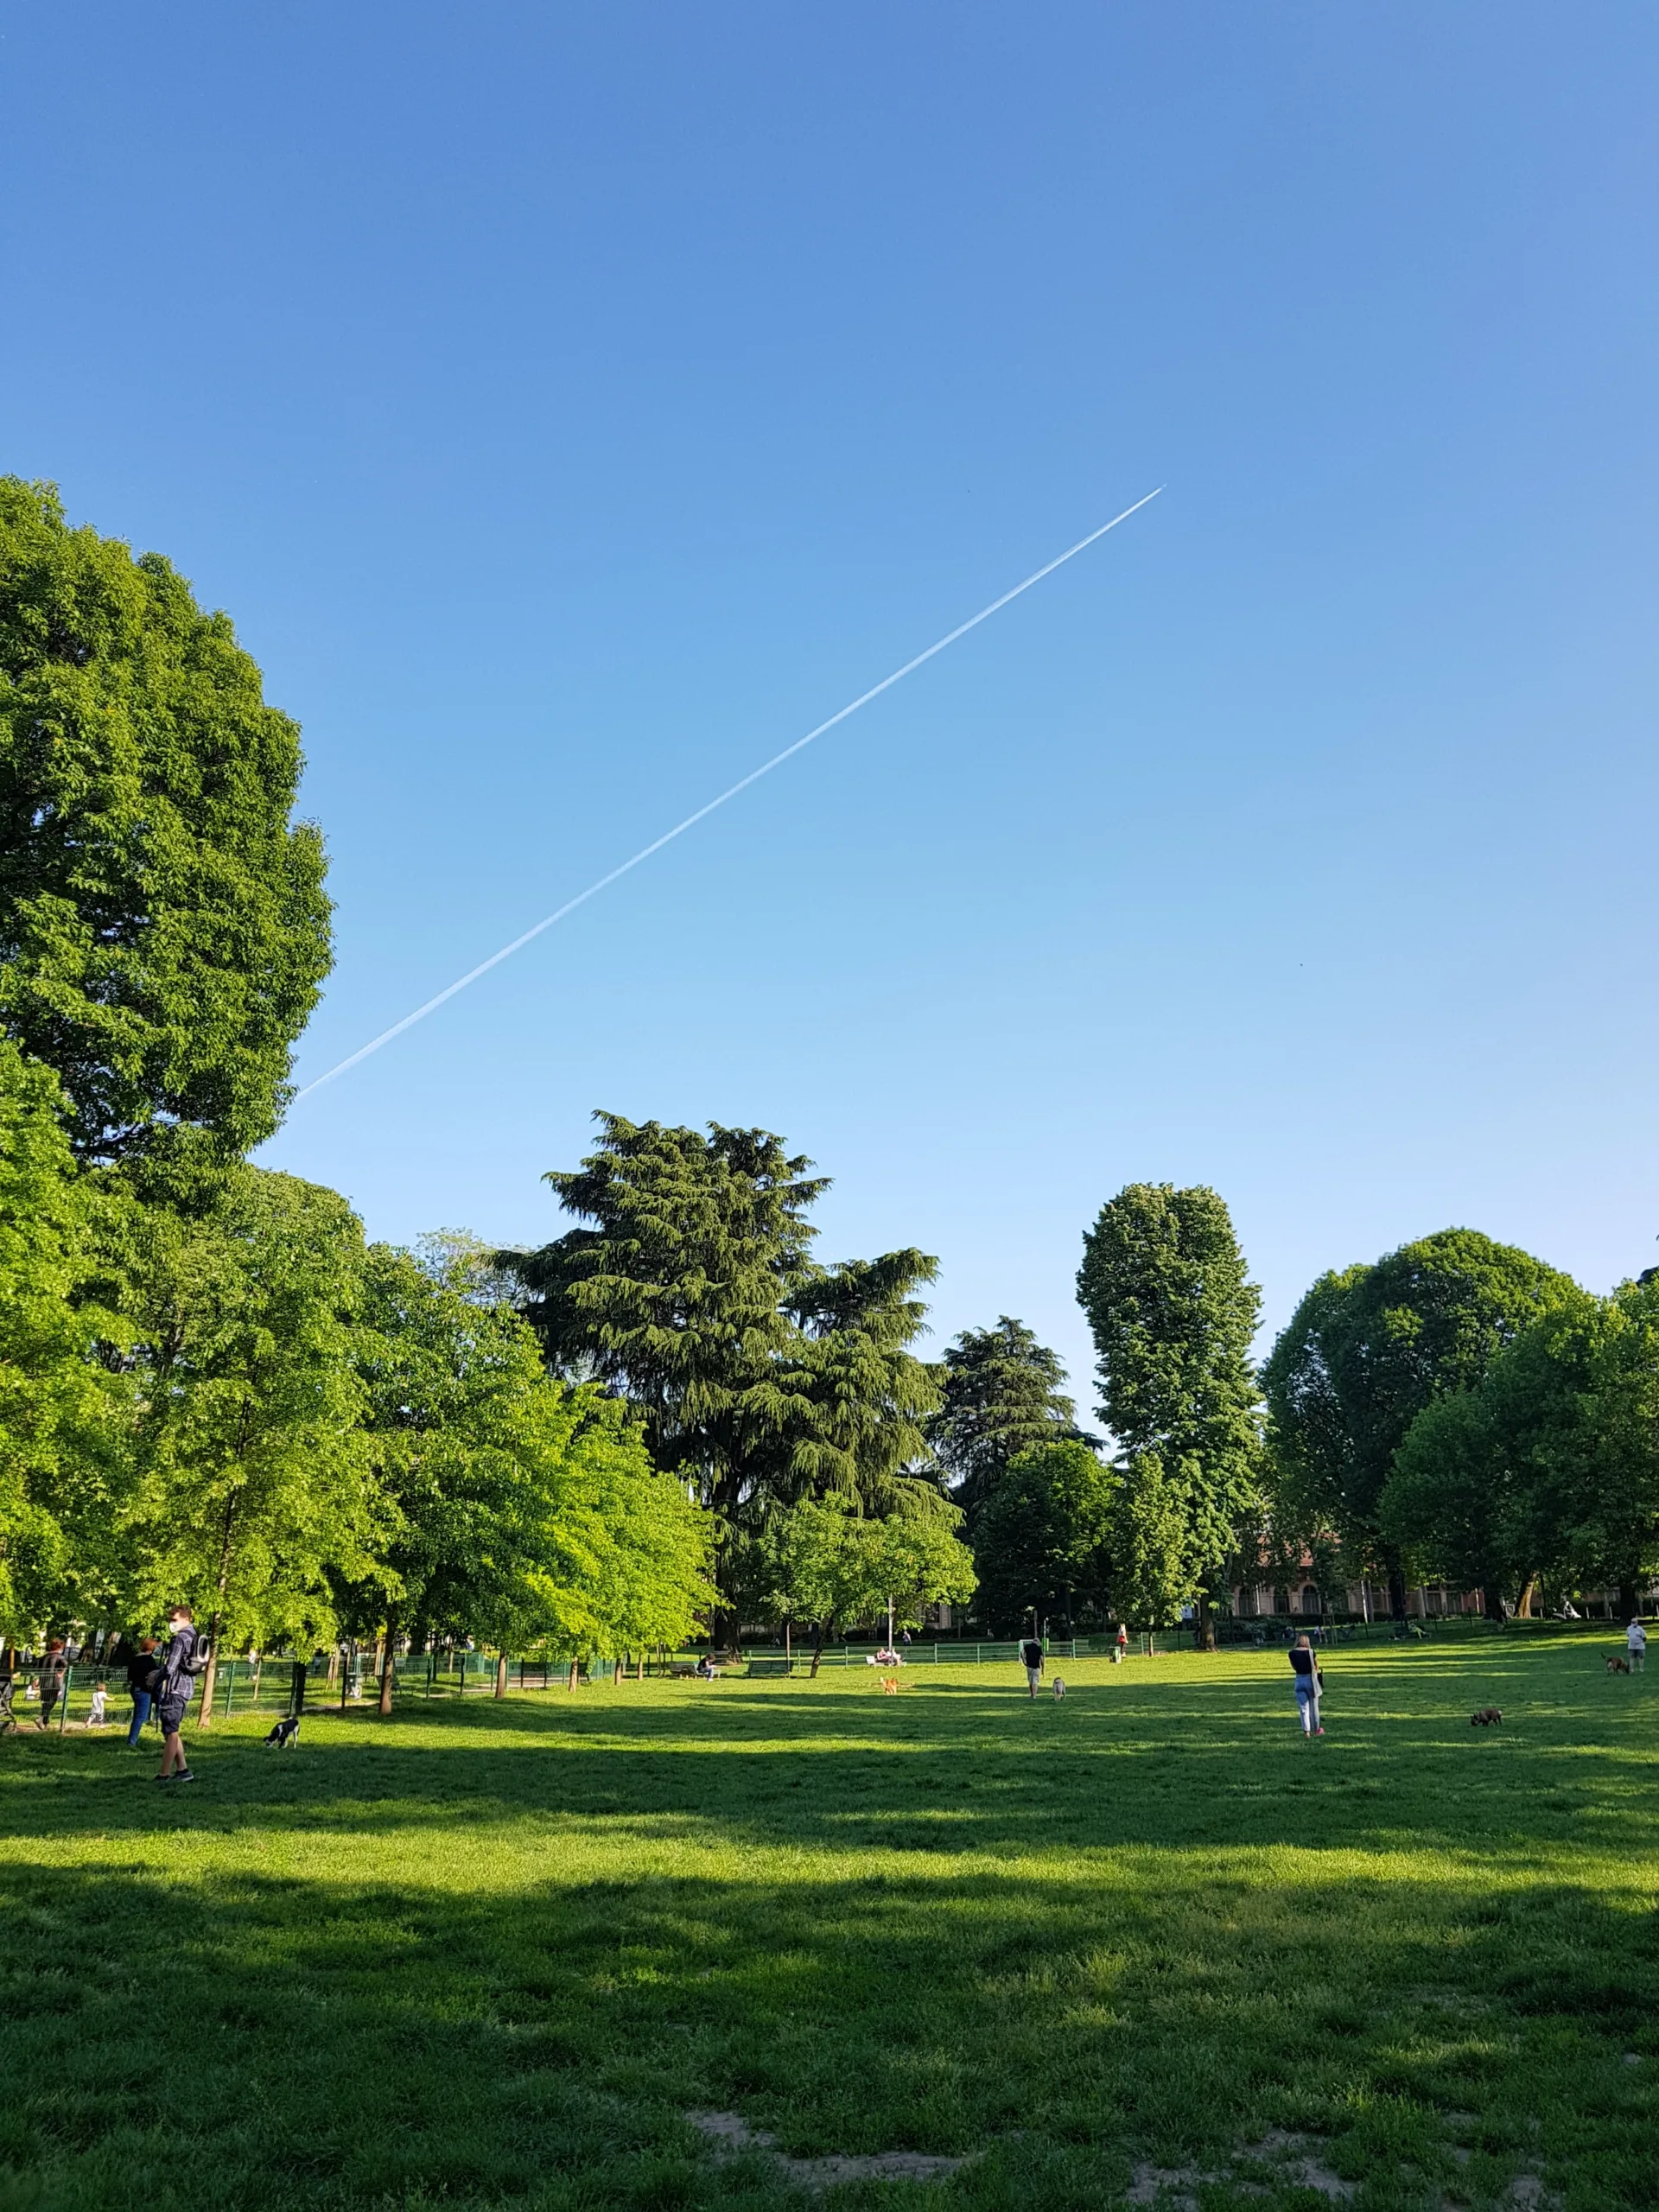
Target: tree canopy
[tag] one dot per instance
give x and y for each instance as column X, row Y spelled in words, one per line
column 1043, row 1537
column 759, row 1375
column 1366, row 1350
column 1001, row 1396
column 1172, row 1313
column 163, row 928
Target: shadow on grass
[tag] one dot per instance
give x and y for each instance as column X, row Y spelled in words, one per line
column 243, row 2040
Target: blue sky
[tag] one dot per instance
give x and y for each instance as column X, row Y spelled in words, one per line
column 573, row 406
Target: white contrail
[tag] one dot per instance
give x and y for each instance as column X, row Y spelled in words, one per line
column 731, row 792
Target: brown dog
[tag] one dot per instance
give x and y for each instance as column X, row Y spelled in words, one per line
column 1617, row 1666
column 1487, row 1717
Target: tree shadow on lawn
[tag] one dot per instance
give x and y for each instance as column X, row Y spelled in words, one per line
column 208, row 2037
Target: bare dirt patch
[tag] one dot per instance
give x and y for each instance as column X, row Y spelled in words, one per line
column 730, row 2132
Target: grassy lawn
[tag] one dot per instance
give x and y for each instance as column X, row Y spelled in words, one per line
column 1147, row 1945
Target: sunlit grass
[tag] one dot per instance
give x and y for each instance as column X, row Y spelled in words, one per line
column 495, row 1954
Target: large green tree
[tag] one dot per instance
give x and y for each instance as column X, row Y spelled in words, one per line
column 163, row 929
column 525, row 1511
column 252, row 1489
column 1001, row 1396
column 1043, row 1537
column 1172, row 1311
column 1365, row 1351
column 1548, row 1468
column 830, row 1563
column 759, row 1375
column 62, row 1430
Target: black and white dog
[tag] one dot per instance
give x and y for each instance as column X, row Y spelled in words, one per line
column 285, row 1734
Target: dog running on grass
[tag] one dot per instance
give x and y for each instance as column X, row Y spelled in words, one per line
column 285, row 1734
column 1617, row 1666
column 1059, row 1685
column 1487, row 1717
column 889, row 1685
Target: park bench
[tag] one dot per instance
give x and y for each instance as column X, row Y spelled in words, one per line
column 769, row 1666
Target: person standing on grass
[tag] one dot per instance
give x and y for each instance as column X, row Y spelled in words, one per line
column 53, row 1668
column 1635, row 1643
column 1305, row 1671
column 175, row 1678
column 141, row 1665
column 1030, row 1656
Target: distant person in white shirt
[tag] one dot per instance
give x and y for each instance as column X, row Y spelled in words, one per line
column 1635, row 1643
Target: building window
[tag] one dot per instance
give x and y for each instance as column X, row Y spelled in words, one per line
column 1310, row 1600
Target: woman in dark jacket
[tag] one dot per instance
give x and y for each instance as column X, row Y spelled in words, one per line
column 1307, row 1683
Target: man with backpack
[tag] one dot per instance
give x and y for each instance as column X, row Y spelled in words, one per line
column 171, row 1682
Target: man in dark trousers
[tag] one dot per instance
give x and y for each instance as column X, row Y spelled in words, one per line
column 54, row 1670
column 176, row 1680
column 141, row 1665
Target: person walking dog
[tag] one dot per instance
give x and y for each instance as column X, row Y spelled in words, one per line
column 172, row 1683
column 1031, row 1657
column 1307, row 1683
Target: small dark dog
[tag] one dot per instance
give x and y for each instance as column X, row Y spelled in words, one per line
column 285, row 1734
column 1617, row 1666
column 1487, row 1717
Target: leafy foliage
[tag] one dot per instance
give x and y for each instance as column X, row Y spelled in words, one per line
column 758, row 1375
column 59, row 1407
column 1044, row 1537
column 1548, row 1468
column 1172, row 1313
column 1001, row 1396
column 1367, row 1349
column 164, row 930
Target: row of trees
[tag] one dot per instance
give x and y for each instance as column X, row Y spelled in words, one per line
column 211, row 1384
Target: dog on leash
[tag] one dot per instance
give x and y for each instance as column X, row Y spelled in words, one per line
column 1617, row 1666
column 1059, row 1685
column 1487, row 1717
column 285, row 1734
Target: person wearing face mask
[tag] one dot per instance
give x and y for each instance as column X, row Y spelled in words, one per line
column 175, row 1681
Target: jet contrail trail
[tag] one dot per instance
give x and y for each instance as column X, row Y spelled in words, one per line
column 731, row 792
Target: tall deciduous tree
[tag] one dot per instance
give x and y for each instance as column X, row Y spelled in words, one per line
column 1366, row 1350
column 1043, row 1537
column 1548, row 1466
column 59, row 1410
column 1001, row 1396
column 831, row 1564
column 252, row 1486
column 164, row 930
column 1172, row 1313
column 527, row 1511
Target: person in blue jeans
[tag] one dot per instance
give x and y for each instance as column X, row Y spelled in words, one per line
column 1304, row 1672
column 141, row 1663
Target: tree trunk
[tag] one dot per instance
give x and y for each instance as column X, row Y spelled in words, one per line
column 1206, row 1636
column 1627, row 1601
column 1396, row 1591
column 387, row 1640
column 788, row 1656
column 296, row 1690
column 1491, row 1601
column 818, row 1649
column 500, row 1674
column 1523, row 1603
column 574, row 1665
column 211, row 1677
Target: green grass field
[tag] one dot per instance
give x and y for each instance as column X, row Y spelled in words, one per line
column 1144, row 1946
